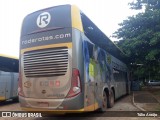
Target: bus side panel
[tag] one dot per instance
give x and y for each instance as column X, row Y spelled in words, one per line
column 12, row 85
column 2, row 87
column 6, row 77
column 119, row 71
column 15, row 84
column 2, row 90
column 78, row 61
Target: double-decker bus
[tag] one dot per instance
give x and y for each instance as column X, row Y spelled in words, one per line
column 67, row 63
column 8, row 77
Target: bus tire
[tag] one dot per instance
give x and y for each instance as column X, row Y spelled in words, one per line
column 104, row 102
column 110, row 103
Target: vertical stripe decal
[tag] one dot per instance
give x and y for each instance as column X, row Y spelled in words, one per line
column 76, row 18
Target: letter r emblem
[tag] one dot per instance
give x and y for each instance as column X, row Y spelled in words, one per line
column 43, row 19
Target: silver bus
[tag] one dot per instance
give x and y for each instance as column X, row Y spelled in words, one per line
column 8, row 77
column 67, row 64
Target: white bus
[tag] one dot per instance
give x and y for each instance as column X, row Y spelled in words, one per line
column 67, row 64
column 8, row 77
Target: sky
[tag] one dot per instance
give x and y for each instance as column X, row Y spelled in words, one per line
column 106, row 14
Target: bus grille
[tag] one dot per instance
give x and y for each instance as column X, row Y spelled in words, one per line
column 46, row 62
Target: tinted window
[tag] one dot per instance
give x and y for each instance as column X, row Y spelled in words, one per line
column 9, row 64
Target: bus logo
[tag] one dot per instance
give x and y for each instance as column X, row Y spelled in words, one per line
column 27, row 84
column 43, row 19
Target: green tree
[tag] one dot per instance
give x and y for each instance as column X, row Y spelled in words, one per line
column 140, row 38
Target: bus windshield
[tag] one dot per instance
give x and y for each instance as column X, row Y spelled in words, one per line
column 9, row 64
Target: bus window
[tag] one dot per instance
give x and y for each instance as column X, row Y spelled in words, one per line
column 9, row 64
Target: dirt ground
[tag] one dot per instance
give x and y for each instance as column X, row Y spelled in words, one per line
column 149, row 100
column 122, row 107
column 156, row 92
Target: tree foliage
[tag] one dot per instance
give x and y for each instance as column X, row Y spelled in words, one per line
column 140, row 37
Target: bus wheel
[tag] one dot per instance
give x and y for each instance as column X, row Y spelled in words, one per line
column 104, row 102
column 111, row 100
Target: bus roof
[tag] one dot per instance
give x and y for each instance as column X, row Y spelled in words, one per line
column 31, row 23
column 99, row 38
column 8, row 56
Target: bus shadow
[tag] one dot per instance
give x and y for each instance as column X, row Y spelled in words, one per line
column 8, row 102
column 123, row 97
column 85, row 116
column 73, row 116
